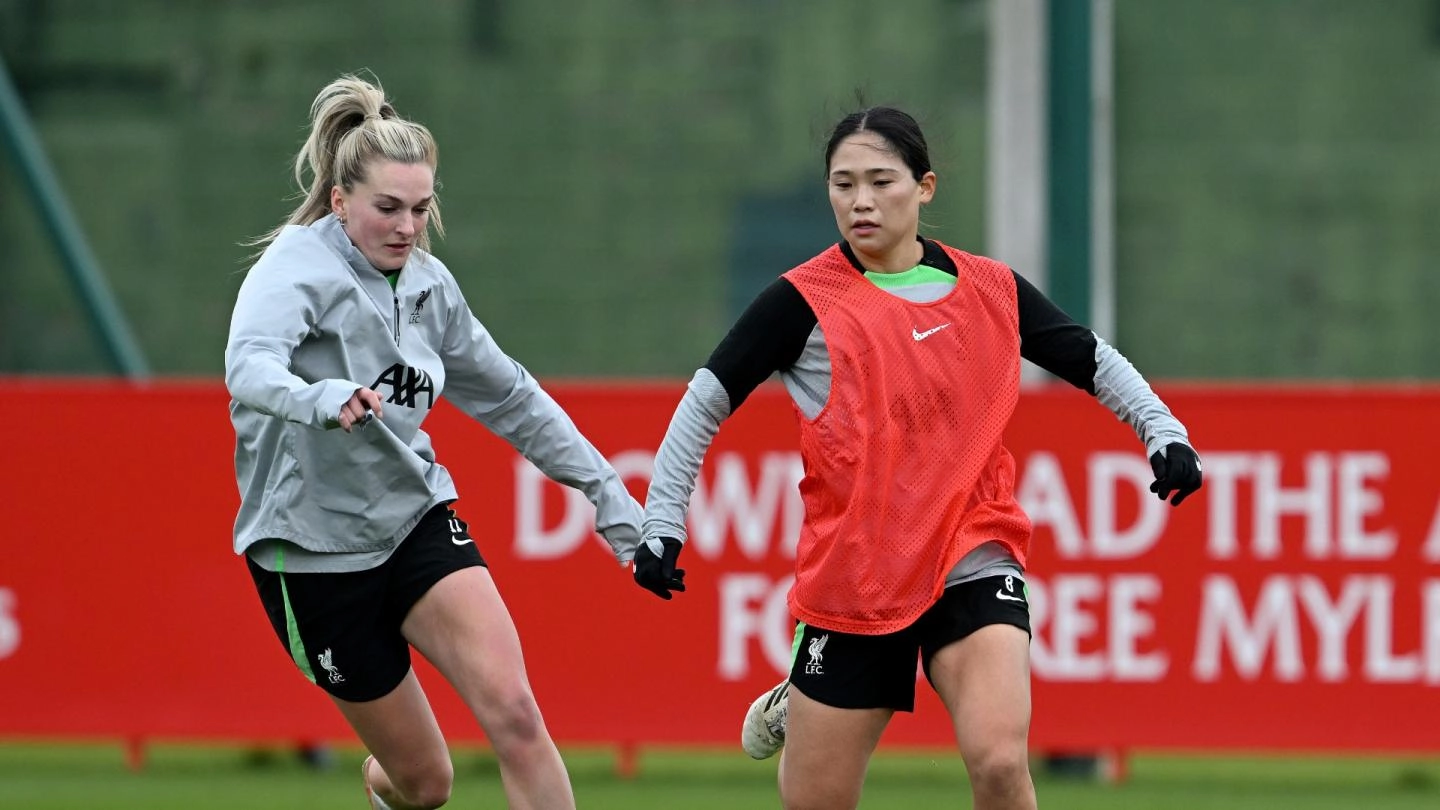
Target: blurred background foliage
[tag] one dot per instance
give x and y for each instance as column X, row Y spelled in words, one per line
column 620, row 176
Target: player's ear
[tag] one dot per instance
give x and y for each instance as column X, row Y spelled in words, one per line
column 337, row 203
column 927, row 187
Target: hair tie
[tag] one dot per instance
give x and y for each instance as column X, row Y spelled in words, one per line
column 372, row 116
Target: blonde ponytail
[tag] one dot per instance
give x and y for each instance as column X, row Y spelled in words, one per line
column 352, row 125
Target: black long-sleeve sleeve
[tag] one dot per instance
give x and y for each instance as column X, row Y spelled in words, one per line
column 770, row 335
column 1052, row 340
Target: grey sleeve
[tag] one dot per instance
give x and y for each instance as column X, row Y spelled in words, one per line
column 493, row 388
column 1119, row 387
column 272, row 315
column 677, row 464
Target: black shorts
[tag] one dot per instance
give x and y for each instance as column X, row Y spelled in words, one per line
column 850, row 671
column 343, row 630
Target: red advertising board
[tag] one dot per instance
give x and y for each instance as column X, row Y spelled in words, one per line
column 1294, row 604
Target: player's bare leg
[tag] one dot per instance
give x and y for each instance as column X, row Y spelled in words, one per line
column 400, row 731
column 984, row 681
column 463, row 627
column 826, row 753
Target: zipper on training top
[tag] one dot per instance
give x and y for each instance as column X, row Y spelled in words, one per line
column 396, row 299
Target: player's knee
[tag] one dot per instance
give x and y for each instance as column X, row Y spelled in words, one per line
column 426, row 787
column 436, row 796
column 800, row 793
column 514, row 722
column 999, row 772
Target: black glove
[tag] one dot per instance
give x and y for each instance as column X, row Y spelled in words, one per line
column 659, row 574
column 1177, row 469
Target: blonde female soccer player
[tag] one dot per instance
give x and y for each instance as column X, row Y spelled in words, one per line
column 345, row 334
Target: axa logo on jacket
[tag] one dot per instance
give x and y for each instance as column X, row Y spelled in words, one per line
column 406, row 384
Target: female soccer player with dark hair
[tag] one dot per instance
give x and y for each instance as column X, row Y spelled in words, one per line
column 902, row 356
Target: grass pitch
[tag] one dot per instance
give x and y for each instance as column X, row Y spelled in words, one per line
column 35, row 776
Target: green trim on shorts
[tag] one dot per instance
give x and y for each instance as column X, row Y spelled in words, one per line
column 795, row 645
column 292, row 630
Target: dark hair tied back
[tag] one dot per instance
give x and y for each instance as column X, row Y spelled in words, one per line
column 895, row 126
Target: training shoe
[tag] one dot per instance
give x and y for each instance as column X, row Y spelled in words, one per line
column 376, row 803
column 764, row 731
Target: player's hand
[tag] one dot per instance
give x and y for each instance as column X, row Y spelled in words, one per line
column 355, row 409
column 1177, row 470
column 657, row 573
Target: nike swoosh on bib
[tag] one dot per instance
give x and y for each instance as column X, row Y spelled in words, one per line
column 918, row 335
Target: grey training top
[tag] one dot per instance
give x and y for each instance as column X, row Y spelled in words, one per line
column 313, row 323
